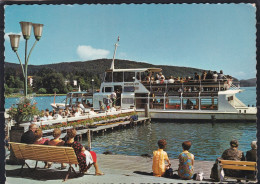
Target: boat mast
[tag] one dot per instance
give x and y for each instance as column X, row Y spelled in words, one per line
column 113, row 61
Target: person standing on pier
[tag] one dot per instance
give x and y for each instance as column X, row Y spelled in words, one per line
column 28, row 137
column 107, row 102
column 159, row 158
column 113, row 98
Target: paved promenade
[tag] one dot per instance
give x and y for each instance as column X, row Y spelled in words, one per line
column 117, row 169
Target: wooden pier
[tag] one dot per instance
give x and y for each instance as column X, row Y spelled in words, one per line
column 101, row 127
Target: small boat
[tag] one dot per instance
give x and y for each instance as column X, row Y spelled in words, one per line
column 73, row 99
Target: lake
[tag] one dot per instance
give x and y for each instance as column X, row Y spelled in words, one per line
column 208, row 140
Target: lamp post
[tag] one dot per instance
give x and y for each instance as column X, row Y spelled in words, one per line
column 14, row 40
column 92, row 81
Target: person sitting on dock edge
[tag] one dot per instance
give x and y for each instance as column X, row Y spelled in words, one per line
column 186, row 161
column 159, row 158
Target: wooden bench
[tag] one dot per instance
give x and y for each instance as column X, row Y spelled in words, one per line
column 59, row 154
column 237, row 165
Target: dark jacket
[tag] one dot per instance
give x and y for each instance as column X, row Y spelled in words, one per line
column 28, row 137
column 251, row 155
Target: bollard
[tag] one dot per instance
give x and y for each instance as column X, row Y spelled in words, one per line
column 146, row 108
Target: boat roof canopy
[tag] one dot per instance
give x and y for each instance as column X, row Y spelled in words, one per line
column 136, row 70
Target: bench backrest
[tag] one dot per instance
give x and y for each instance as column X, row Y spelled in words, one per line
column 238, row 165
column 45, row 153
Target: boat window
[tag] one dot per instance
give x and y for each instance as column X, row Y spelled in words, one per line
column 108, row 89
column 117, row 76
column 156, row 103
column 209, row 104
column 190, row 103
column 129, row 89
column 129, row 76
column 108, row 77
column 173, row 104
column 127, row 100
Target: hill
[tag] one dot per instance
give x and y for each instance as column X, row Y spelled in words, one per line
column 100, row 65
column 248, row 82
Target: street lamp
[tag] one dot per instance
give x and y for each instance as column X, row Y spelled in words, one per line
column 92, row 81
column 26, row 28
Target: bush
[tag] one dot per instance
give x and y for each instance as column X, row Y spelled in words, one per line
column 42, row 91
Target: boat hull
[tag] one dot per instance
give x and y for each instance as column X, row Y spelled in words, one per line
column 186, row 115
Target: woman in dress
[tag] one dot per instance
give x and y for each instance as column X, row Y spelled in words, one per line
column 159, row 158
column 71, row 134
column 56, row 142
column 186, row 161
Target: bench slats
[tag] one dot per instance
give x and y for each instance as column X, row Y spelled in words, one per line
column 45, row 153
column 237, row 167
column 237, row 162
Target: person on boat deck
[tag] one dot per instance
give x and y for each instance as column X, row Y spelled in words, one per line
column 77, row 113
column 203, row 75
column 56, row 142
column 29, row 137
column 107, row 102
column 92, row 112
column 220, row 75
column 196, row 77
column 42, row 116
column 215, row 76
column 233, row 154
column 81, row 157
column 113, row 97
column 159, row 158
column 186, row 161
column 161, row 77
column 252, row 157
column 58, row 116
column 171, row 80
column 80, row 108
column 49, row 117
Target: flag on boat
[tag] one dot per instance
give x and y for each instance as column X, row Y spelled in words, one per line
column 118, row 38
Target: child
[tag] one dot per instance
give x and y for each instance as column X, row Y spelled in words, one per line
column 159, row 157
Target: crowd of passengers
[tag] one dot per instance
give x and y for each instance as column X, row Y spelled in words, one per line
column 77, row 111
column 87, row 158
column 204, row 77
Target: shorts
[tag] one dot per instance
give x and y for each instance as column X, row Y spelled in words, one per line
column 94, row 156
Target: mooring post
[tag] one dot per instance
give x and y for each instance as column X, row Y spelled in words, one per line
column 89, row 139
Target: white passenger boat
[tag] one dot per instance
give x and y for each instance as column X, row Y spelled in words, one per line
column 192, row 100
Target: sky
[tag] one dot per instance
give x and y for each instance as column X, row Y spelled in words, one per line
column 204, row 36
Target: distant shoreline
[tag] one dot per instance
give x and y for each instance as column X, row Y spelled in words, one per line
column 36, row 95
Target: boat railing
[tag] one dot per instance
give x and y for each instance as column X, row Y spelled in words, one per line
column 181, row 102
column 189, row 86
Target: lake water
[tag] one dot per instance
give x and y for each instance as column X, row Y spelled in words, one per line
column 208, row 140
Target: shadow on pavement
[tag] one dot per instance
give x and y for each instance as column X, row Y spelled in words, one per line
column 144, row 173
column 40, row 174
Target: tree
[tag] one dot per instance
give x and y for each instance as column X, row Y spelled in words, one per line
column 54, row 80
column 42, row 91
column 8, row 90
